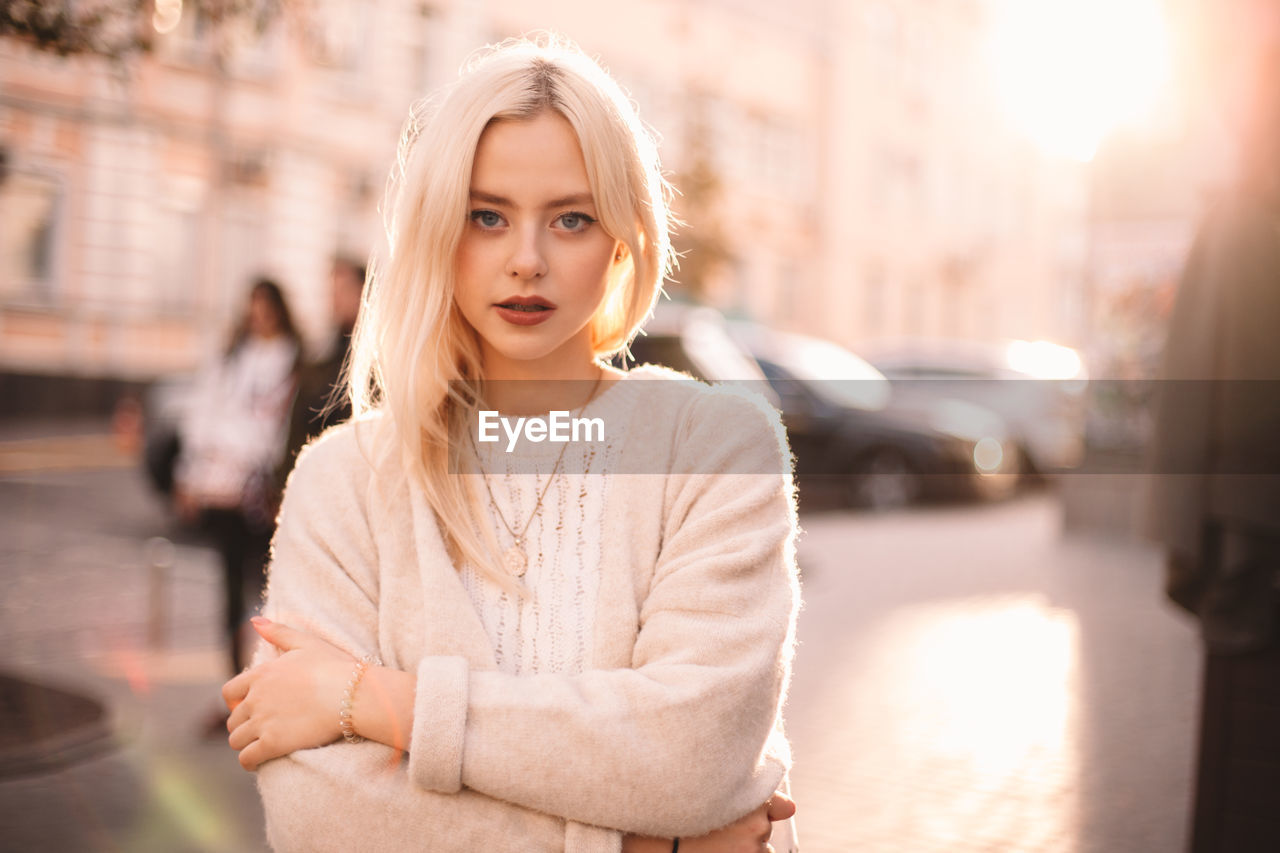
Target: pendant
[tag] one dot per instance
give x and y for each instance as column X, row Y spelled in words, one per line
column 516, row 561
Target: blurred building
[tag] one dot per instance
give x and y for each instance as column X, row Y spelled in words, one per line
column 844, row 169
column 139, row 199
column 944, row 220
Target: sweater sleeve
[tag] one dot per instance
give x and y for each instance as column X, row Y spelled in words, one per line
column 689, row 738
column 323, row 572
column 323, row 579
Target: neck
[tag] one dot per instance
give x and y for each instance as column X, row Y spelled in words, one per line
column 534, row 395
column 561, row 380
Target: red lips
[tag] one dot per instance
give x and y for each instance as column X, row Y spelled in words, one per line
column 527, row 302
column 525, row 310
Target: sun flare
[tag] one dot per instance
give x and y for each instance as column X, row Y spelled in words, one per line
column 1069, row 71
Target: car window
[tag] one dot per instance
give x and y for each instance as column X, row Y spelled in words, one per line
column 702, row 348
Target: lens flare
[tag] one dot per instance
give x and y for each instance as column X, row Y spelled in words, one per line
column 1069, row 71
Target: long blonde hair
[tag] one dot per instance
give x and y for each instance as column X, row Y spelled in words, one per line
column 413, row 355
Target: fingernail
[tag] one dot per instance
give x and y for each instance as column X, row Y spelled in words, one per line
column 260, row 621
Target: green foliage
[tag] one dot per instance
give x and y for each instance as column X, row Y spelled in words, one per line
column 113, row 29
column 116, row 29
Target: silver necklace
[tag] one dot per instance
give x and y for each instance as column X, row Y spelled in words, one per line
column 515, row 558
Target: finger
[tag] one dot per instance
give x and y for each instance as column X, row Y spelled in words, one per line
column 780, row 807
column 234, row 691
column 243, row 735
column 278, row 634
column 251, row 756
column 239, row 715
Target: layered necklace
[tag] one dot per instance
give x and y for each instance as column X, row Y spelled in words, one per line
column 515, row 558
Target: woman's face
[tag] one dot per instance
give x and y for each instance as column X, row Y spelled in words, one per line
column 534, row 262
column 264, row 322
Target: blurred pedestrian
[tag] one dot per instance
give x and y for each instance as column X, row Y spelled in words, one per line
column 231, row 438
column 1216, row 500
column 319, row 403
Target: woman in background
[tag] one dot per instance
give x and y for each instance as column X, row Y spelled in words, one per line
column 230, row 441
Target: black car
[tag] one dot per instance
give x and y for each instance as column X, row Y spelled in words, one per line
column 695, row 339
column 849, row 434
column 1038, row 388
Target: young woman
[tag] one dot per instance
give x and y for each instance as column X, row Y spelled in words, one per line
column 581, row 645
column 230, row 440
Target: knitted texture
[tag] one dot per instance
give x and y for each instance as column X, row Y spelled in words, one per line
column 550, row 629
column 673, row 726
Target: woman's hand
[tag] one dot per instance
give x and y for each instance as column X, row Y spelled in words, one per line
column 748, row 834
column 289, row 703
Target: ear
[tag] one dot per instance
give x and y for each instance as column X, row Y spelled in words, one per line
column 620, row 252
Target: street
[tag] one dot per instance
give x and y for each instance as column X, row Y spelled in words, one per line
column 968, row 678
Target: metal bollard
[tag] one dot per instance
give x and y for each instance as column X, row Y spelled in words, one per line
column 159, row 553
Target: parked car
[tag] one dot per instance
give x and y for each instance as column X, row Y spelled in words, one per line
column 846, row 428
column 695, row 339
column 1037, row 387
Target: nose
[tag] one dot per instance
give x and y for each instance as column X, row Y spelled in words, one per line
column 527, row 259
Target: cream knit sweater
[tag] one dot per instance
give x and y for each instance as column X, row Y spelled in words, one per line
column 551, row 629
column 675, row 729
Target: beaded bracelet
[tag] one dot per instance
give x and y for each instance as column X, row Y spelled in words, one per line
column 349, row 695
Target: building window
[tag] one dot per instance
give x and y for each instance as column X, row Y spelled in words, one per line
column 30, row 210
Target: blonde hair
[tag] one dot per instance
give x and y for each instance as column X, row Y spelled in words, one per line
column 413, row 355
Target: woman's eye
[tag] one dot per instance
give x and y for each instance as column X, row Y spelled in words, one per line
column 574, row 221
column 486, row 218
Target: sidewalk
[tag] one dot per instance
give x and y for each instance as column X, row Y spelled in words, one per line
column 972, row 680
column 969, row 679
column 85, row 613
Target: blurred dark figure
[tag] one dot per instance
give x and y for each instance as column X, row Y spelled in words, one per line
column 1216, row 505
column 229, row 447
column 319, row 403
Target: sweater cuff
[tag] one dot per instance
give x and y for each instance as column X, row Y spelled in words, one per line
column 585, row 838
column 439, row 724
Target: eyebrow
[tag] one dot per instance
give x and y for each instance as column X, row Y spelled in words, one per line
column 563, row 201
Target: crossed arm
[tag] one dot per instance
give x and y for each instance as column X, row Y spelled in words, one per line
column 292, row 708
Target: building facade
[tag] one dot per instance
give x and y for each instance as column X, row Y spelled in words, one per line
column 843, row 170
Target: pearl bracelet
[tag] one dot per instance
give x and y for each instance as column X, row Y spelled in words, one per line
column 349, row 695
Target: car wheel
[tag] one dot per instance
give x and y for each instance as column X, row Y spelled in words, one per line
column 884, row 479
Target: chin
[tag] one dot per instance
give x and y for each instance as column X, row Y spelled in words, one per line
column 527, row 353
